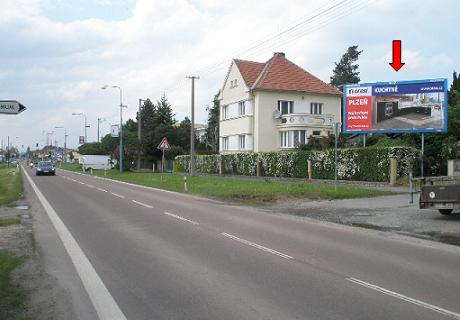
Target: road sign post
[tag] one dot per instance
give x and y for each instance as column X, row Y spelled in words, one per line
column 11, row 107
column 164, row 145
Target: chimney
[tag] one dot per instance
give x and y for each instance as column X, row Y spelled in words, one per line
column 279, row 54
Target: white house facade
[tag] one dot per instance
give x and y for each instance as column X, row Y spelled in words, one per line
column 274, row 106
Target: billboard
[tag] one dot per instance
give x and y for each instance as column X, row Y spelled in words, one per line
column 397, row 106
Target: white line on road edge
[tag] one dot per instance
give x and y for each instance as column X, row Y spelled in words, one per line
column 118, row 195
column 180, row 218
column 100, row 189
column 90, row 186
column 255, row 245
column 80, row 182
column 105, row 305
column 142, row 204
column 405, row 298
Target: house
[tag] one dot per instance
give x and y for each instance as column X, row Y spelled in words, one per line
column 274, row 106
column 200, row 131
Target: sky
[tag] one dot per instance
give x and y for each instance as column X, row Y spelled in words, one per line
column 57, row 54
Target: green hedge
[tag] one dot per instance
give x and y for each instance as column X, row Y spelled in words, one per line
column 361, row 164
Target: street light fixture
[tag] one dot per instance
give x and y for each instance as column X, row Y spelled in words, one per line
column 65, row 142
column 121, row 122
column 86, row 122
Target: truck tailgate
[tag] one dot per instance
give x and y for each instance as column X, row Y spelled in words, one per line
column 440, row 193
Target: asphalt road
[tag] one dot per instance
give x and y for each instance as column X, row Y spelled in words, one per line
column 163, row 255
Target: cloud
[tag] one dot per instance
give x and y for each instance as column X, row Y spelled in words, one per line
column 55, row 66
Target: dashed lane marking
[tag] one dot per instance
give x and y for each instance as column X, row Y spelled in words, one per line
column 258, row 246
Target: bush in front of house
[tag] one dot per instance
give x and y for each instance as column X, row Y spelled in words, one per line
column 360, row 164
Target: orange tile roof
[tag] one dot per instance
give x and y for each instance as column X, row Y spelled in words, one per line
column 279, row 73
column 250, row 70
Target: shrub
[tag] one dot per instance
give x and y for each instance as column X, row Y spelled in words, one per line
column 365, row 164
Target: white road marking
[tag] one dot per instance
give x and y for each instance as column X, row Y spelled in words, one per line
column 180, row 218
column 258, row 246
column 405, row 298
column 142, row 204
column 118, row 195
column 103, row 302
column 100, row 189
column 80, row 182
column 90, row 186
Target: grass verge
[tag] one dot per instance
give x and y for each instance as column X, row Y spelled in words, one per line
column 11, row 188
column 9, row 221
column 12, row 298
column 254, row 192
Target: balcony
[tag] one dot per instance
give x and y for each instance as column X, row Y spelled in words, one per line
column 305, row 119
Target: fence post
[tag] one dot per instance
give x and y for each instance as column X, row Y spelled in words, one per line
column 258, row 168
column 309, row 169
column 220, row 165
column 393, row 171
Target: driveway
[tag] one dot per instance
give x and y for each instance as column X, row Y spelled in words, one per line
column 391, row 213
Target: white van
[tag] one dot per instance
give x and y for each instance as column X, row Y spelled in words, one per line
column 95, row 162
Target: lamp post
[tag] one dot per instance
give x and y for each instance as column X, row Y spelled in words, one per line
column 121, row 122
column 86, row 122
column 192, row 127
column 65, row 142
column 139, row 125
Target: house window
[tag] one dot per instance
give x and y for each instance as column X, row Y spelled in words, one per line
column 224, row 112
column 316, row 108
column 242, row 142
column 224, row 143
column 316, row 133
column 231, row 84
column 285, row 107
column 292, row 139
column 235, row 83
column 242, row 108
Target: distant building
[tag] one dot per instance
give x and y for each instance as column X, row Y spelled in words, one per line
column 200, row 131
column 273, row 106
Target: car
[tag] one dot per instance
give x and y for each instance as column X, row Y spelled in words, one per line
column 45, row 167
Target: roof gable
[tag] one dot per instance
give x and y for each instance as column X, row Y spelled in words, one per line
column 279, row 73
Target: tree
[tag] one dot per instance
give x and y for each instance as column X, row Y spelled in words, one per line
column 346, row 70
column 164, row 112
column 212, row 131
column 454, row 92
column 91, row 148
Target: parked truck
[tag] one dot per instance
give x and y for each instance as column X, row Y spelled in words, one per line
column 95, row 162
column 441, row 193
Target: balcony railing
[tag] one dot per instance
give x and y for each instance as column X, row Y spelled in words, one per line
column 297, row 119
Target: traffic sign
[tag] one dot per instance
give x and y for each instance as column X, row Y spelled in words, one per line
column 81, row 140
column 11, row 107
column 164, row 144
column 114, row 131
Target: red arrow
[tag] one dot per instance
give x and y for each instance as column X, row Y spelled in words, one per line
column 397, row 64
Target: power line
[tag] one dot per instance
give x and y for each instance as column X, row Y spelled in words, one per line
column 323, row 18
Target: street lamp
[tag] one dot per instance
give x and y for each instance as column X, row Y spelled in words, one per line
column 86, row 122
column 65, row 142
column 121, row 122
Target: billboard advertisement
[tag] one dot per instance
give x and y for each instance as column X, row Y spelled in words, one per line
column 397, row 106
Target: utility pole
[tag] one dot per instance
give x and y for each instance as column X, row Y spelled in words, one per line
column 192, row 127
column 8, row 152
column 98, row 123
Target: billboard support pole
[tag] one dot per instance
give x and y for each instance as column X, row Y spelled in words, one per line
column 422, row 154
column 364, row 140
column 336, row 134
